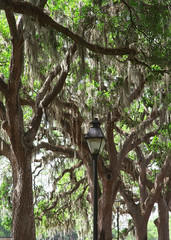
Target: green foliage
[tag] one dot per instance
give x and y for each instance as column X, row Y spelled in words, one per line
column 4, row 232
column 95, row 83
column 5, row 189
column 160, row 144
column 5, row 47
column 68, row 201
column 27, row 114
column 152, row 231
column 5, row 202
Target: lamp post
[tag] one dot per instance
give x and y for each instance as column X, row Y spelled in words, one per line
column 118, row 222
column 95, row 140
column 117, row 208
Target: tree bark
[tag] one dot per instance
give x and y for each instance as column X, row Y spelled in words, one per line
column 162, row 223
column 140, row 228
column 110, row 189
column 141, row 212
column 140, row 219
column 23, row 211
column 27, row 8
column 105, row 217
column 21, row 151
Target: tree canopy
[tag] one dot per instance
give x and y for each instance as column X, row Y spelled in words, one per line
column 63, row 63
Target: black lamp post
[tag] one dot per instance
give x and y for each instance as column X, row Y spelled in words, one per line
column 95, row 140
column 117, row 208
column 118, row 222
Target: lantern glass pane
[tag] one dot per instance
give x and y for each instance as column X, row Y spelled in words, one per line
column 95, row 145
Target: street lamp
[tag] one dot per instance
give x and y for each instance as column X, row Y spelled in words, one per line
column 95, row 140
column 117, row 208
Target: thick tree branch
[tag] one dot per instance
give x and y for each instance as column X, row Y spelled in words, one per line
column 133, row 208
column 154, row 114
column 45, row 20
column 131, row 143
column 143, row 139
column 120, row 131
column 59, row 85
column 44, row 100
column 61, row 150
column 17, row 53
column 112, row 152
column 2, row 111
column 46, row 85
column 14, row 112
column 70, row 106
column 127, row 146
column 42, row 4
column 27, row 102
column 12, row 25
column 136, row 61
column 142, row 175
column 155, row 191
column 3, row 86
column 72, row 124
column 5, row 124
column 168, row 192
column 129, row 167
column 5, row 149
column 149, row 158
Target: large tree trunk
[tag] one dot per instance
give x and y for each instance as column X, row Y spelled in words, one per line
column 140, row 219
column 105, row 218
column 23, row 212
column 162, row 223
column 140, row 229
column 110, row 189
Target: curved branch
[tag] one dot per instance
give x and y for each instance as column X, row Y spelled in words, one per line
column 77, row 185
column 69, row 105
column 158, row 184
column 46, row 84
column 136, row 61
column 44, row 100
column 12, row 25
column 129, row 167
column 140, row 140
column 42, row 4
column 69, row 170
column 128, row 197
column 154, row 114
column 61, row 150
column 127, row 146
column 5, row 149
column 114, row 164
column 59, row 85
column 14, row 111
column 27, row 102
column 17, row 52
column 45, row 20
column 3, row 86
column 2, row 111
